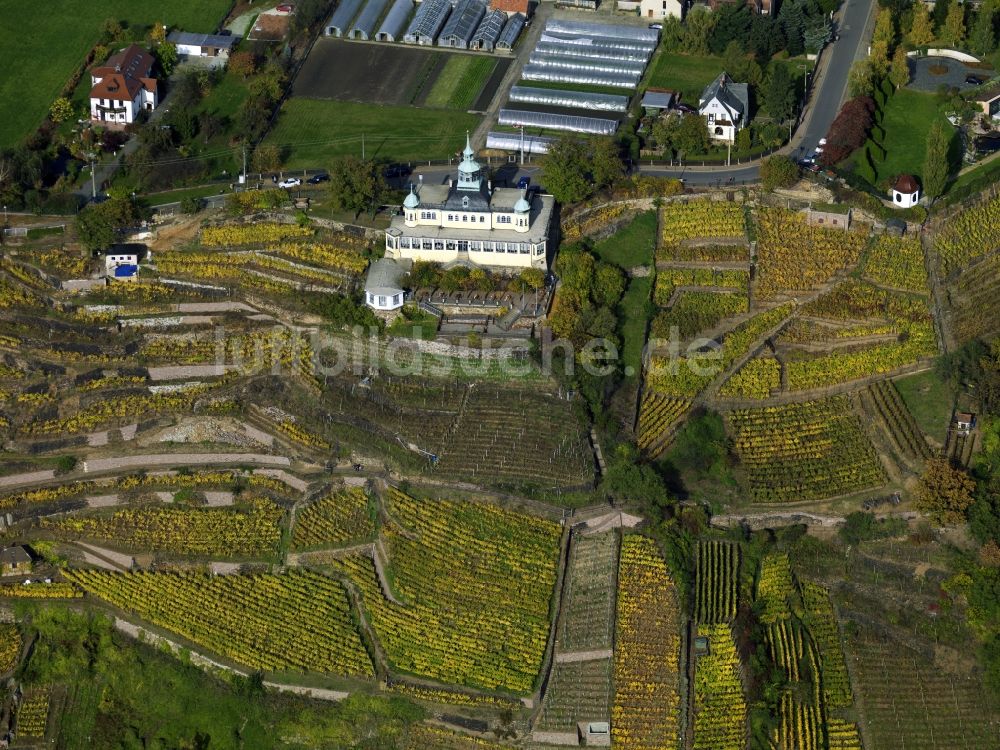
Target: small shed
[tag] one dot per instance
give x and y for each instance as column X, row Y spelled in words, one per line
column 655, row 101
column 964, row 422
column 202, row 45
column 384, row 284
column 830, row 215
column 121, row 265
column 14, row 560
column 905, row 191
column 988, row 101
column 595, row 733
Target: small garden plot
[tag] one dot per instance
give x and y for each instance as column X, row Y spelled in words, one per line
column 10, row 646
column 804, row 451
column 33, row 713
column 632, row 245
column 898, row 263
column 335, row 519
column 694, row 311
column 885, row 403
column 647, row 706
column 683, row 222
column 250, row 529
column 717, row 567
column 298, row 621
column 65, row 264
column 774, row 588
column 577, row 691
column 792, row 255
column 460, row 82
column 968, row 235
column 720, row 710
column 475, row 582
column 668, row 279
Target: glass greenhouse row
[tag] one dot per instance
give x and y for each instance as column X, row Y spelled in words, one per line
column 427, row 22
column 511, row 31
column 569, row 99
column 341, row 18
column 395, row 21
column 597, row 52
column 566, row 62
column 489, row 30
column 462, row 24
column 534, row 72
column 614, row 31
column 550, row 121
column 364, row 26
column 532, row 144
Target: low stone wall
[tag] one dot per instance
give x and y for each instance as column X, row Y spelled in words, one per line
column 949, row 53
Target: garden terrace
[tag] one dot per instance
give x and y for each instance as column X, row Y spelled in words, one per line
column 10, row 646
column 804, row 451
column 658, row 416
column 793, row 255
column 298, row 621
column 822, row 622
column 647, row 706
column 586, row 620
column 897, row 263
column 968, row 235
column 424, row 736
column 693, row 311
column 883, row 401
column 476, row 583
column 702, row 220
column 759, row 378
column 774, row 588
column 33, row 713
column 577, row 692
column 972, row 297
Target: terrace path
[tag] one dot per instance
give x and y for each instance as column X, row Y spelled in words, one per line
column 183, row 459
column 570, row 657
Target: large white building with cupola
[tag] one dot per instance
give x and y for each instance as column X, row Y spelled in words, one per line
column 469, row 221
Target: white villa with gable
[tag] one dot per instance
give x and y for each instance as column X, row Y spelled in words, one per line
column 470, row 221
column 726, row 106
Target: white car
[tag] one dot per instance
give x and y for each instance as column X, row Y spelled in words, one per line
column 290, row 182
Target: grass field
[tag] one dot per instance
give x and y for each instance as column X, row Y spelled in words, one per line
column 688, row 74
column 907, row 121
column 634, row 311
column 315, row 132
column 929, row 399
column 459, row 84
column 43, row 44
column 632, row 245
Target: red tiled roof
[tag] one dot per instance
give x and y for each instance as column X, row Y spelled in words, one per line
column 905, row 183
column 510, row 6
column 124, row 75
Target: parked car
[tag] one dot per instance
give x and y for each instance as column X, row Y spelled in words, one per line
column 657, row 26
column 975, row 80
column 523, row 183
column 685, row 108
column 316, row 179
column 290, row 182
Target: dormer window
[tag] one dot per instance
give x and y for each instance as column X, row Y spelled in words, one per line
column 465, row 201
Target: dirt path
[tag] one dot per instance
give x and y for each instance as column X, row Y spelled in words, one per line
column 93, row 466
column 570, row 657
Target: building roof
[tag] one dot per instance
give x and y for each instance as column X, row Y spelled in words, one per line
column 988, row 95
column 906, row 183
column 510, row 6
column 14, row 556
column 464, row 20
column 490, row 28
column 658, row 99
column 385, row 276
column 428, row 19
column 203, row 40
column 511, row 31
column 963, row 416
column 125, row 72
column 734, row 96
column 503, row 199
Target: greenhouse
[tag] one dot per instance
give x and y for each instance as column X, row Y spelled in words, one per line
column 651, row 37
column 565, row 62
column 395, row 21
column 427, row 22
column 597, row 51
column 550, row 121
column 532, row 144
column 462, row 24
column 511, row 31
column 341, row 18
column 364, row 25
column 534, row 72
column 603, row 42
column 569, row 99
column 488, row 32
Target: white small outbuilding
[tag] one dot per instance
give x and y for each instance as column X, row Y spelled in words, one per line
column 905, row 192
column 384, row 283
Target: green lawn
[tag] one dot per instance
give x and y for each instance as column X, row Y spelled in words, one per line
column 461, row 80
column 315, row 132
column 930, row 400
column 688, row 74
column 633, row 313
column 907, row 121
column 632, row 245
column 42, row 43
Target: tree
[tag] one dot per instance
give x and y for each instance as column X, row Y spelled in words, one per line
column 111, row 30
column 734, row 60
column 982, row 39
column 778, row 171
column 307, row 13
column 698, row 26
column 935, row 174
column 778, row 96
column 606, row 166
column 744, row 141
column 266, row 158
column 732, row 23
column 944, row 492
column 157, row 33
column 61, row 110
column 685, row 134
column 357, row 185
column 861, row 79
column 672, row 34
column 878, row 58
column 899, row 71
column 953, row 31
column 532, row 278
column 166, row 56
column 564, row 170
column 885, row 29
column 608, row 284
column 766, row 38
column 921, row 29
column 849, row 130
column 243, row 64
column 628, row 479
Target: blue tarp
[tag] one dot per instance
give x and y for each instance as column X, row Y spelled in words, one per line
column 126, row 270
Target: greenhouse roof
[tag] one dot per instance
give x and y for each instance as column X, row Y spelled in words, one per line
column 395, row 19
column 570, row 99
column 614, row 31
column 511, row 31
column 489, row 30
column 464, row 19
column 574, row 123
column 341, row 17
column 365, row 22
column 534, row 72
column 429, row 18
